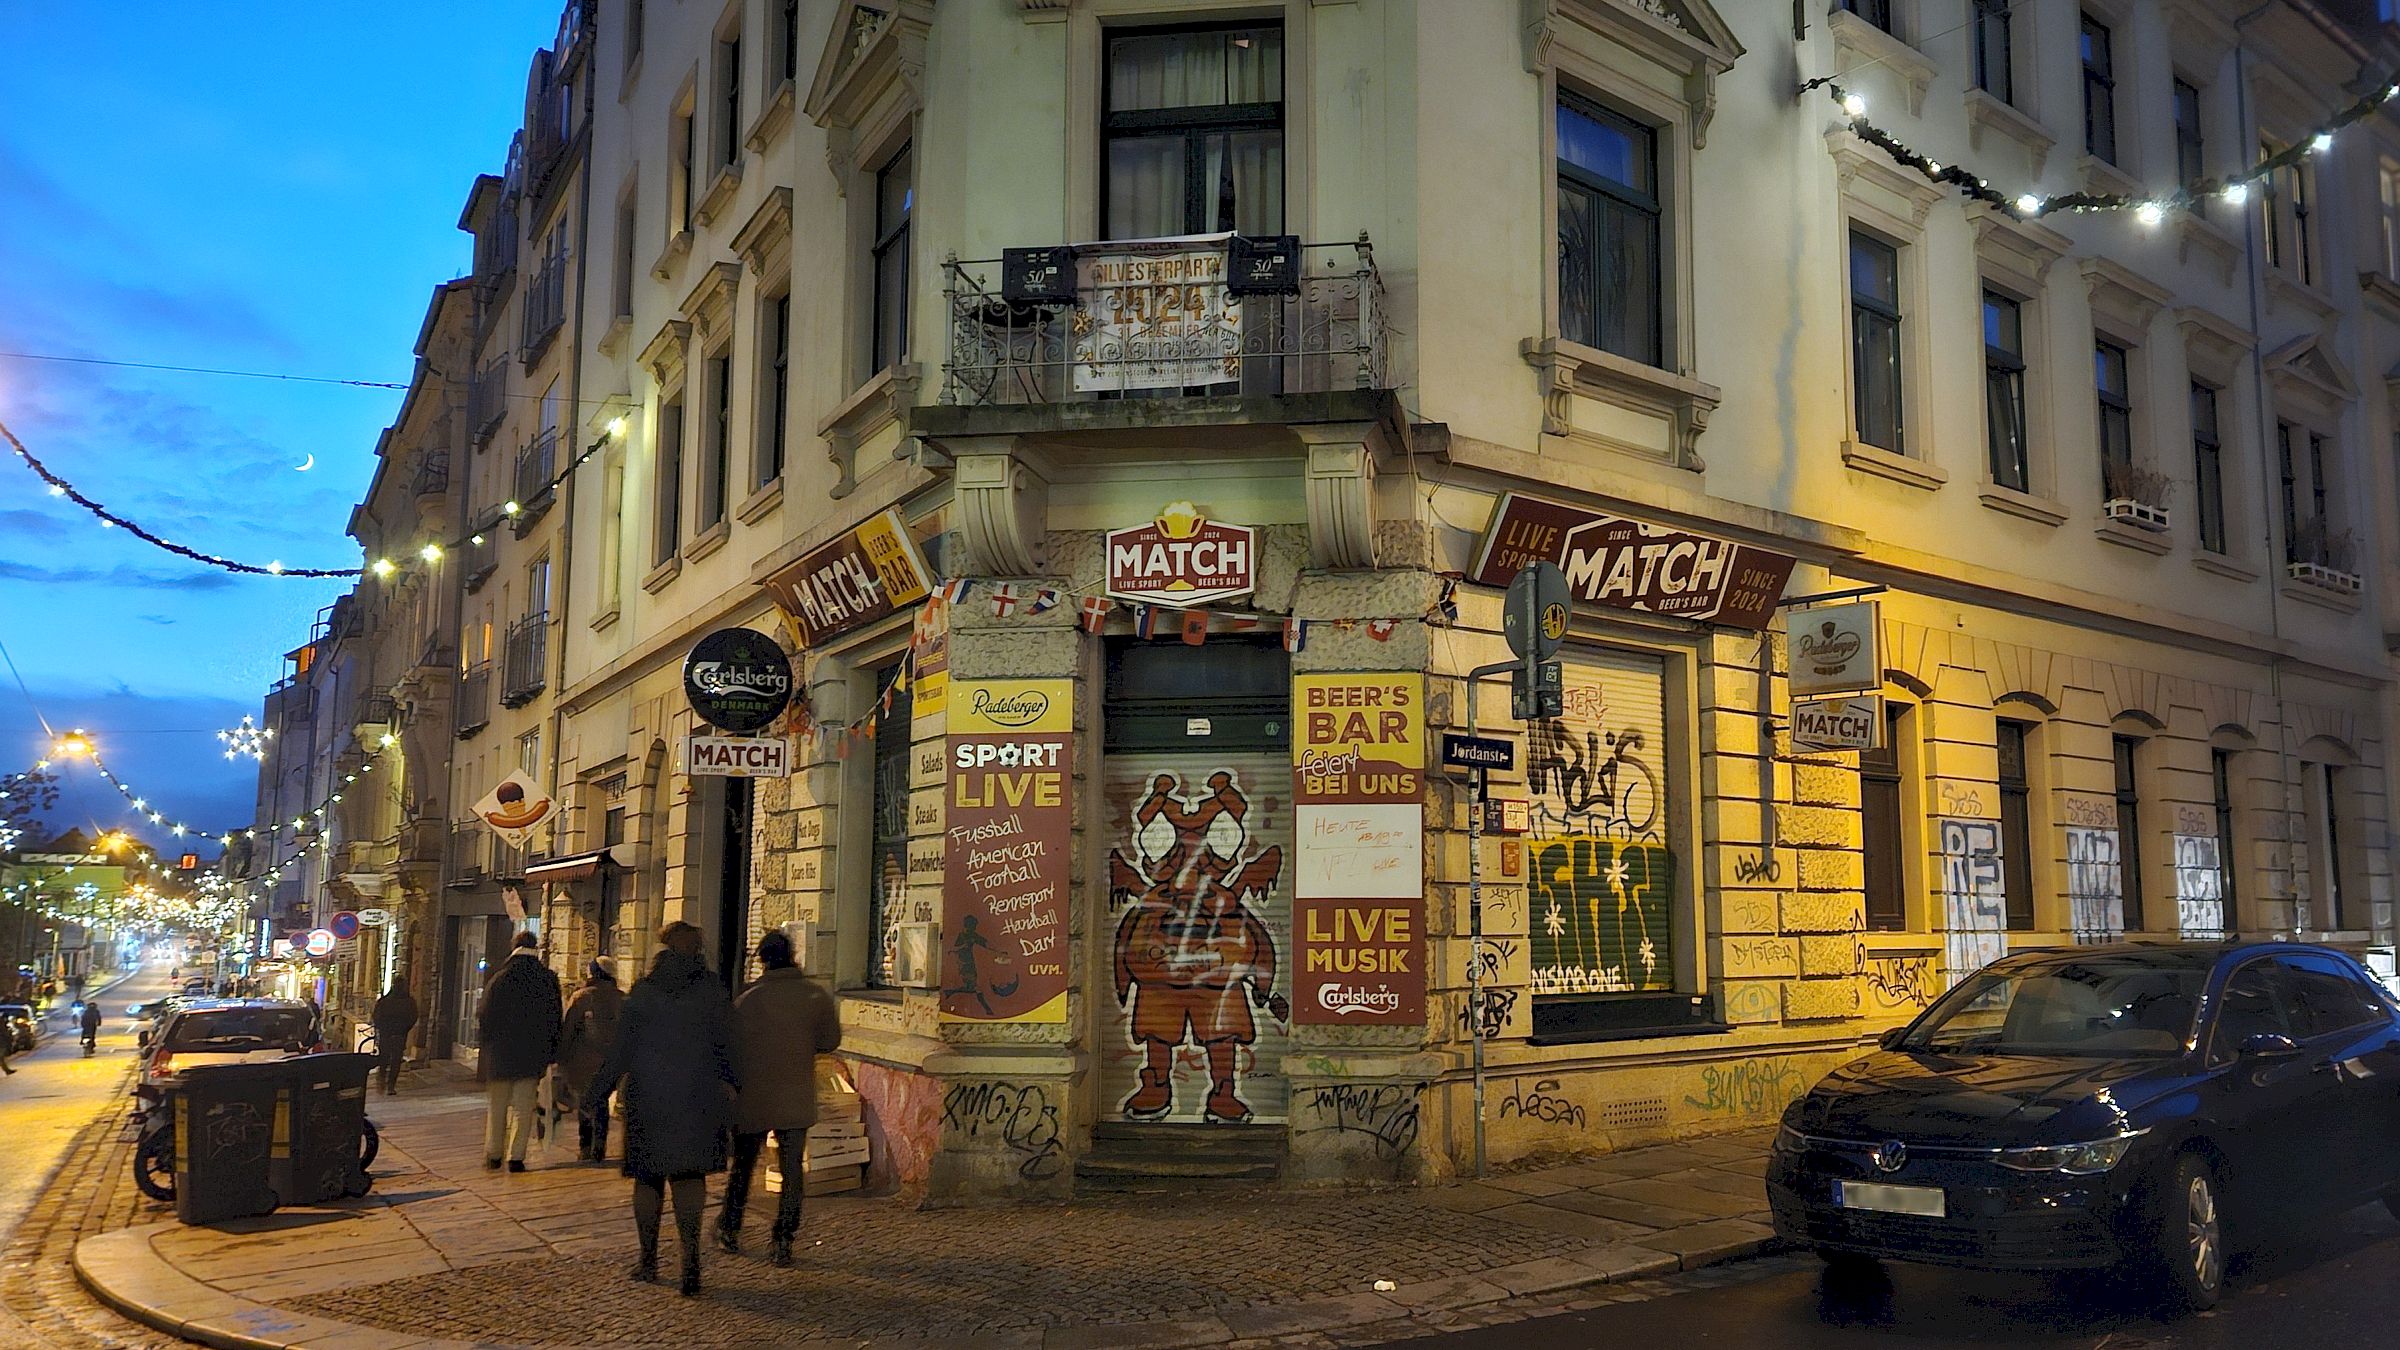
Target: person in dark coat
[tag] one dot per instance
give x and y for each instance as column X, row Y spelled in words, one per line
column 518, row 1030
column 673, row 1056
column 395, row 1016
column 591, row 1032
column 780, row 1025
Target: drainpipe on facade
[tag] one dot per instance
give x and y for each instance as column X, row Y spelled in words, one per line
column 2253, row 250
column 565, row 571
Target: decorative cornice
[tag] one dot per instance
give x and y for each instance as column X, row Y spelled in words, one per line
column 709, row 307
column 2121, row 294
column 2217, row 342
column 1000, row 502
column 765, row 236
column 663, row 356
column 2023, row 249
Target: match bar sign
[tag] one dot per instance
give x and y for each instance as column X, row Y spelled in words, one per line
column 1615, row 562
column 855, row 578
column 1838, row 724
column 738, row 756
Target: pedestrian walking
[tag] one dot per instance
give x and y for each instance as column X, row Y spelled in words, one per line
column 780, row 1025
column 518, row 1027
column 394, row 1016
column 591, row 1032
column 673, row 1058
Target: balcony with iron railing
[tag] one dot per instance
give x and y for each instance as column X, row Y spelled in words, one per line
column 432, row 476
column 487, row 402
column 474, row 706
column 1151, row 319
column 470, row 841
column 526, row 662
column 545, row 306
column 537, row 461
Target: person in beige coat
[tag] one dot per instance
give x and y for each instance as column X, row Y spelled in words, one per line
column 780, row 1025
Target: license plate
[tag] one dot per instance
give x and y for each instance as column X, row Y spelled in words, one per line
column 1887, row 1199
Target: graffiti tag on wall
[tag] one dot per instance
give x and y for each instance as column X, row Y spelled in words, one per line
column 1751, row 1087
column 1022, row 1117
column 1974, row 897
column 1385, row 1113
column 1901, row 982
column 2199, row 887
column 2095, row 885
column 1602, row 881
column 1541, row 1103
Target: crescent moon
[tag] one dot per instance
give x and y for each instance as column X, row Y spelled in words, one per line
column 305, row 466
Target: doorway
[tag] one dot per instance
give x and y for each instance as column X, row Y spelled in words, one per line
column 1197, row 814
column 729, row 919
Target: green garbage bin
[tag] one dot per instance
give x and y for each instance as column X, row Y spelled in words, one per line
column 224, row 1131
column 320, row 1128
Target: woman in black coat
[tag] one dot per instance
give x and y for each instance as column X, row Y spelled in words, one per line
column 672, row 1053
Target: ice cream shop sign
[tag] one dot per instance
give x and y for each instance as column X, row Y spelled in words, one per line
column 1182, row 559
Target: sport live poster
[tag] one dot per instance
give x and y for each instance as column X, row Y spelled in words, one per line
column 1004, row 882
column 1358, row 896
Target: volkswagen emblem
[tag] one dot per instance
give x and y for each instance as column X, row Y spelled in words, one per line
column 1890, row 1156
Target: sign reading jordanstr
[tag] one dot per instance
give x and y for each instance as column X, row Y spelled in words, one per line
column 1005, row 864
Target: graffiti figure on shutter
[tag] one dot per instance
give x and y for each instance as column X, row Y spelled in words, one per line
column 1191, row 955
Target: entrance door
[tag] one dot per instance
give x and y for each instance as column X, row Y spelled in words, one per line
column 1197, row 812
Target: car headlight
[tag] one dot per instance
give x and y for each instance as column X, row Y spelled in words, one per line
column 1788, row 1140
column 2085, row 1159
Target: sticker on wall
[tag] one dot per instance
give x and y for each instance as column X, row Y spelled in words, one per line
column 1004, row 883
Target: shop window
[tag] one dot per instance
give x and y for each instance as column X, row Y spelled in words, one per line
column 1192, row 136
column 2129, row 829
column 2014, row 740
column 887, row 854
column 1608, row 232
column 1610, row 922
column 1885, row 834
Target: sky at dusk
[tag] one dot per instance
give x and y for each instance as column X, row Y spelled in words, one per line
column 273, row 187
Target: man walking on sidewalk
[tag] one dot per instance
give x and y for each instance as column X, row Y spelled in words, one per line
column 394, row 1017
column 780, row 1025
column 591, row 1032
column 673, row 1056
column 519, row 1033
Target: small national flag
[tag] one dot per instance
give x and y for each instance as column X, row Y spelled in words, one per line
column 1195, row 627
column 1381, row 629
column 1242, row 623
column 1043, row 600
column 1344, row 625
column 1004, row 600
column 1145, row 621
column 1445, row 610
column 1295, row 634
column 1094, row 610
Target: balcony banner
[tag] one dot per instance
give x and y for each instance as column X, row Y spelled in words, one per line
column 1155, row 314
column 1004, row 884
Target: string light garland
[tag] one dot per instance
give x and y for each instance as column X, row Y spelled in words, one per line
column 2149, row 208
column 382, row 569
column 247, row 740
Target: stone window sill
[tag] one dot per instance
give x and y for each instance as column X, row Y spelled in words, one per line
column 719, row 193
column 1902, row 469
column 679, row 247
column 768, row 496
column 2219, row 565
column 657, row 578
column 880, row 402
column 607, row 618
column 2102, row 178
column 2133, row 537
column 1855, row 37
column 2023, row 505
column 613, row 338
column 707, row 541
column 1986, row 113
column 1568, row 370
column 2382, row 290
column 2340, row 602
column 2282, row 286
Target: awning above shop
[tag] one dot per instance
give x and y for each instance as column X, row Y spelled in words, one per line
column 577, row 866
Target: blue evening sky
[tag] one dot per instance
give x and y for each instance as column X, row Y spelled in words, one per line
column 270, row 186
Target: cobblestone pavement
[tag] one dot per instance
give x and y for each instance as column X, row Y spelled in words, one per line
column 444, row 1249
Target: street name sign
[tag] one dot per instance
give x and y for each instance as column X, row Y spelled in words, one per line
column 1478, row 752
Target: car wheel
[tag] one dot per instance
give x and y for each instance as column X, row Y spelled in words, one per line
column 2190, row 1251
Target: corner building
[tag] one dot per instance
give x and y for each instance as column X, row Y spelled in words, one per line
column 1127, row 412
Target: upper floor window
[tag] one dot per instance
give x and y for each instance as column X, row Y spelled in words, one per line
column 633, row 32
column 729, row 100
column 716, row 465
column 2307, row 533
column 2190, row 147
column 1995, row 48
column 1193, row 132
column 684, row 197
column 775, row 397
column 895, row 205
column 2099, row 91
column 2389, row 182
column 2208, row 468
column 667, row 486
column 1875, row 340
column 787, row 39
column 2004, row 389
column 621, row 285
column 1876, row 12
column 1608, row 235
column 2287, row 212
column 2115, row 390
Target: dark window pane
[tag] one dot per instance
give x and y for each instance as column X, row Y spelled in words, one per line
column 2003, row 324
column 1995, row 50
column 1876, row 12
column 1877, row 353
column 2129, row 831
column 2329, row 805
column 2329, row 997
column 2016, row 826
column 2004, row 411
column 2099, row 93
column 887, row 880
column 1874, row 270
column 2255, row 1004
column 1879, row 786
column 1606, row 146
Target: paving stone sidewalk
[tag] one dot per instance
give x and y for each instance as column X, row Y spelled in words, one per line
column 446, row 1253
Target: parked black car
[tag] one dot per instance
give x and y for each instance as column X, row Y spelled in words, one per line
column 2129, row 1107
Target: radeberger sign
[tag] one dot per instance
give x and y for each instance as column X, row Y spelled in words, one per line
column 1182, row 559
column 1616, row 562
column 855, row 578
column 1833, row 650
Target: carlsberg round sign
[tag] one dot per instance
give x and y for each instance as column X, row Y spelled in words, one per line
column 737, row 680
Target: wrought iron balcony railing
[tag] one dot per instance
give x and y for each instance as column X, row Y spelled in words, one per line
column 432, row 477
column 545, row 304
column 487, row 400
column 469, row 842
column 1163, row 318
column 535, row 463
column 526, row 667
column 474, row 708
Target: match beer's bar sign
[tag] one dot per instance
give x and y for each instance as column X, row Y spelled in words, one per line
column 1616, row 562
column 855, row 578
column 1182, row 559
column 1358, row 770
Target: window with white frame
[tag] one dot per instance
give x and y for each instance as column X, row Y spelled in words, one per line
column 1193, row 131
column 895, row 206
column 2309, row 532
column 2112, row 383
column 2004, row 391
column 2191, row 142
column 2208, row 467
column 729, row 98
column 2288, row 218
column 1995, row 47
column 716, row 450
column 683, row 192
column 1609, row 209
column 2097, row 46
column 1877, row 360
column 667, row 482
column 774, row 388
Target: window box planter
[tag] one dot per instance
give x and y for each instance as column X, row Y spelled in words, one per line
column 2325, row 578
column 2139, row 514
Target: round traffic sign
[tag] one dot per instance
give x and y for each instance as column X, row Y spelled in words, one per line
column 344, row 925
column 320, row 942
column 1536, row 611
